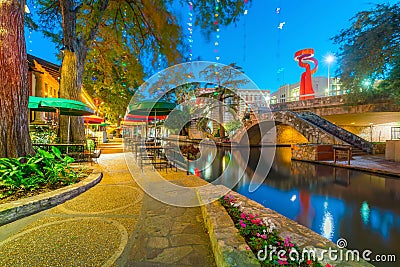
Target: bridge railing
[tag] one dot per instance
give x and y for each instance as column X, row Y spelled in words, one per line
column 337, row 131
column 309, row 103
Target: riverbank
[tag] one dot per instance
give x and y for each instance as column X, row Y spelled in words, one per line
column 376, row 164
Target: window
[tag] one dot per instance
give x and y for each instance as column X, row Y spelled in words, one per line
column 395, row 133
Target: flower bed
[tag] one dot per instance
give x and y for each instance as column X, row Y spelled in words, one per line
column 263, row 238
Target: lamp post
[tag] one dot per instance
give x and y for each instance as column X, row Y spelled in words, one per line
column 329, row 59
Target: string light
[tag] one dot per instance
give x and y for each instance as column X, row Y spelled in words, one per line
column 280, row 71
column 30, row 41
column 125, row 44
column 216, row 26
column 190, row 30
column 244, row 30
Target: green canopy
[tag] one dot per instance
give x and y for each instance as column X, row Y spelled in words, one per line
column 151, row 108
column 65, row 106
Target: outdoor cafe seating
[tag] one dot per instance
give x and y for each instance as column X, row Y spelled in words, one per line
column 80, row 151
column 152, row 154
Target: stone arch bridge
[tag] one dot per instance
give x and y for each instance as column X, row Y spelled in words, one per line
column 311, row 126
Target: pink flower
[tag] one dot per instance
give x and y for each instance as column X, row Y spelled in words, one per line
column 287, row 241
column 243, row 215
column 242, row 224
column 282, row 262
column 258, row 235
column 263, row 236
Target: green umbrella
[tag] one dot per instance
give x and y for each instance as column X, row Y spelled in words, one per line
column 151, row 108
column 64, row 106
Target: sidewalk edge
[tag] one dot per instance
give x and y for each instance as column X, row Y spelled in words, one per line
column 18, row 209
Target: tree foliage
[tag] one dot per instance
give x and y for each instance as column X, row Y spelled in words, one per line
column 225, row 80
column 370, row 53
column 121, row 42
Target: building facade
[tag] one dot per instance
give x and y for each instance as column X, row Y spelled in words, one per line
column 44, row 81
column 291, row 92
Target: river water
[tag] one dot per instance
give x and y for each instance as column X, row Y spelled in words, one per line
column 360, row 207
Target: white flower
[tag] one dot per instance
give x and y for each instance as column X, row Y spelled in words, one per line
column 237, row 204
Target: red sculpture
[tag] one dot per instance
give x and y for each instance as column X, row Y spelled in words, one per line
column 305, row 56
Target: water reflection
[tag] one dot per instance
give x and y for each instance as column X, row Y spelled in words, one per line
column 334, row 202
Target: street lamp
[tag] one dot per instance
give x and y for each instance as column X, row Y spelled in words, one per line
column 329, row 59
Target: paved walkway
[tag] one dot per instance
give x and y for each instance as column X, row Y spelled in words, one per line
column 113, row 224
column 372, row 163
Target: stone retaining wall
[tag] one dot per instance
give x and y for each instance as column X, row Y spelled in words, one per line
column 379, row 148
column 230, row 249
column 15, row 210
column 314, row 152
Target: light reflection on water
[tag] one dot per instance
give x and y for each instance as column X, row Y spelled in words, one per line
column 334, row 202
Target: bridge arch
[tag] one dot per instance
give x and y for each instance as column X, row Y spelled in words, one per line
column 265, row 127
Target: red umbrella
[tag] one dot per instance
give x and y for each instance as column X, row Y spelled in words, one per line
column 93, row 119
column 142, row 118
column 130, row 118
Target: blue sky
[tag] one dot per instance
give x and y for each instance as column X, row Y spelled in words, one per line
column 256, row 43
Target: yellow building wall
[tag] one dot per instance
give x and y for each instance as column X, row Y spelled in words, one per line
column 51, row 86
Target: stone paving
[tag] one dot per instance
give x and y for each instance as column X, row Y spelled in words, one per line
column 112, row 224
column 371, row 163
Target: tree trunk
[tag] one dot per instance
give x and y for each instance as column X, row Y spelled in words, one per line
column 73, row 63
column 14, row 87
column 70, row 88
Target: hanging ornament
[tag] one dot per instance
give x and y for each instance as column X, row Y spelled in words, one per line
column 280, row 69
column 244, row 29
column 216, row 25
column 30, row 41
column 190, row 30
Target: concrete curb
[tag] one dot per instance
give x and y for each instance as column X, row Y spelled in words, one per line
column 229, row 247
column 18, row 209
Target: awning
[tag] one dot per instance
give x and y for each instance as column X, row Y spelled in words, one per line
column 151, row 108
column 64, row 106
column 93, row 119
column 141, row 118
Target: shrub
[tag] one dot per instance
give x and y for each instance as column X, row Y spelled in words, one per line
column 190, row 151
column 42, row 169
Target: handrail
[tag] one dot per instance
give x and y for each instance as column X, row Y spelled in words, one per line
column 336, row 131
column 79, row 154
